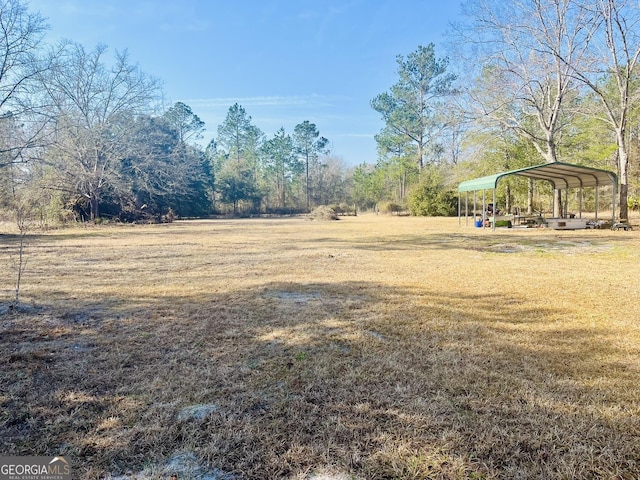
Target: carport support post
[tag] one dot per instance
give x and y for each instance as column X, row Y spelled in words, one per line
column 581, row 198
column 466, row 209
column 495, row 210
column 475, row 207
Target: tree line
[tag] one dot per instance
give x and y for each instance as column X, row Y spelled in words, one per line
column 84, row 134
column 535, row 81
column 282, row 174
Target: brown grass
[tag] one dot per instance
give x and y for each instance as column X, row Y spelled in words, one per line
column 372, row 348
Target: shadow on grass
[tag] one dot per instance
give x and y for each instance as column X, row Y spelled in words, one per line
column 373, row 381
column 6, row 239
column 463, row 241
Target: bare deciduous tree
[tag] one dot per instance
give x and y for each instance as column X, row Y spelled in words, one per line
column 21, row 35
column 614, row 54
column 93, row 104
column 525, row 48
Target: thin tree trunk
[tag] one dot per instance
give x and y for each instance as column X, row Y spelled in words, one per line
column 623, row 167
column 95, row 207
column 557, row 204
column 308, row 191
column 21, row 260
column 284, row 189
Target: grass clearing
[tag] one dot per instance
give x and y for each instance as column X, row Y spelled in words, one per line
column 372, row 347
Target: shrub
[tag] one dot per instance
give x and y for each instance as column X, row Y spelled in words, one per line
column 429, row 198
column 324, row 212
column 344, row 209
column 390, row 207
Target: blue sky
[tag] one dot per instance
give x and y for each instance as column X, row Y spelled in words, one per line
column 284, row 61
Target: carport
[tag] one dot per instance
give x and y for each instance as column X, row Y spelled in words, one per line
column 561, row 176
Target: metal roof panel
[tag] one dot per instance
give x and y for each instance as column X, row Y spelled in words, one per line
column 561, row 175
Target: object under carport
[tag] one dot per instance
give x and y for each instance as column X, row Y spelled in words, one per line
column 621, row 226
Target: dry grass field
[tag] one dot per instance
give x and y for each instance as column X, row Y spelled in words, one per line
column 372, row 347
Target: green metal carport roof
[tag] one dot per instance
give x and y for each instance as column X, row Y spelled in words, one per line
column 560, row 175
